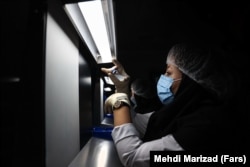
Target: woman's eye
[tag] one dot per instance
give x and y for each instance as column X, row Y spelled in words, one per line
column 167, row 73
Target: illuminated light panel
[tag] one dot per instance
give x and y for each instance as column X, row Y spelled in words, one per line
column 93, row 14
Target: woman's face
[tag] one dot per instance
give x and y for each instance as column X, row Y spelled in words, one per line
column 173, row 72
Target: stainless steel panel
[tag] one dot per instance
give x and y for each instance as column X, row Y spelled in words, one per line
column 97, row 153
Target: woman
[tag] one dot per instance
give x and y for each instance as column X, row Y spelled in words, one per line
column 202, row 113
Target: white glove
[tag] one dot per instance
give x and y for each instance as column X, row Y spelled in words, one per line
column 119, row 77
column 112, row 99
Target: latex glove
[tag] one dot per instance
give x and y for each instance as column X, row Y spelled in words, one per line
column 110, row 101
column 120, row 78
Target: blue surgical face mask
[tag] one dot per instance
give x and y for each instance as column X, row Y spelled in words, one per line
column 164, row 89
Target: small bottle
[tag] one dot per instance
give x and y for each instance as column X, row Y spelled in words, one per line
column 115, row 72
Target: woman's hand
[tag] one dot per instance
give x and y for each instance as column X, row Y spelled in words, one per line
column 119, row 77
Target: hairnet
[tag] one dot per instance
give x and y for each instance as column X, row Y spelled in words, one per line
column 203, row 64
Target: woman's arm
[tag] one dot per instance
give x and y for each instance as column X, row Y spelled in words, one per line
column 133, row 151
column 122, row 116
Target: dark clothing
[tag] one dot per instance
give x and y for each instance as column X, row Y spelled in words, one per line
column 146, row 105
column 145, row 94
column 200, row 121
